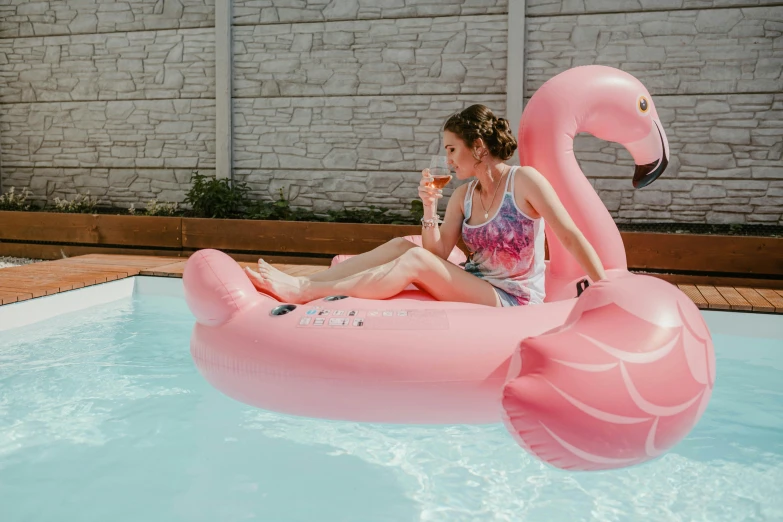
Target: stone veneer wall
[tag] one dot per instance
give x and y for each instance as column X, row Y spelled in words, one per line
column 340, row 103
column 715, row 70
column 115, row 98
column 345, row 108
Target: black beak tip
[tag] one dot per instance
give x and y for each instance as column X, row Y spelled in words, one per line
column 645, row 174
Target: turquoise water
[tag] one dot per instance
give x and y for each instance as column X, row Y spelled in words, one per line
column 103, row 417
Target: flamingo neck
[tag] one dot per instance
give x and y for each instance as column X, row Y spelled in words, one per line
column 554, row 158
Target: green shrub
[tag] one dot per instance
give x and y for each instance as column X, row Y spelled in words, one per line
column 13, row 201
column 280, row 210
column 370, row 215
column 417, row 211
column 283, row 211
column 81, row 204
column 216, row 198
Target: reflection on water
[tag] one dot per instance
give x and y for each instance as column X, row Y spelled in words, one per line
column 104, row 415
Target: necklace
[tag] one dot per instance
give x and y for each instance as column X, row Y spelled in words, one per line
column 481, row 200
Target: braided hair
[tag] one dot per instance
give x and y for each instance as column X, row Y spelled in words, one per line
column 478, row 121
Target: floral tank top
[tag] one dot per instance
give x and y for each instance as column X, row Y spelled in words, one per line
column 508, row 250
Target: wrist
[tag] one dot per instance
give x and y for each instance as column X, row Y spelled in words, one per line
column 429, row 222
column 429, row 211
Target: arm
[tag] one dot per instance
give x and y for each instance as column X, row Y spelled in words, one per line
column 442, row 240
column 542, row 197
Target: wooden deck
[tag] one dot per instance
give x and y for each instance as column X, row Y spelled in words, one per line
column 50, row 277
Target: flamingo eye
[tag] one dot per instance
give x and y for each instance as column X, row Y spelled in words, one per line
column 644, row 105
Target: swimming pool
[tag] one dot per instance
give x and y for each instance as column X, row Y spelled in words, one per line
column 103, row 416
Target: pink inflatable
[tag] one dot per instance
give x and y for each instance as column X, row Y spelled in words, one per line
column 610, row 379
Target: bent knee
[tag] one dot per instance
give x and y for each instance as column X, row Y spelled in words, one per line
column 418, row 259
column 402, row 244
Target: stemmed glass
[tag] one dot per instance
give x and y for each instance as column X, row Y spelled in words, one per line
column 440, row 177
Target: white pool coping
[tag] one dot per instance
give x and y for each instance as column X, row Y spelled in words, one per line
column 24, row 313
column 31, row 311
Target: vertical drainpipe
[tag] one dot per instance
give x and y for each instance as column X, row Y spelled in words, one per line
column 223, row 75
column 515, row 67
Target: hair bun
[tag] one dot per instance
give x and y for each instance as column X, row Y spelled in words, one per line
column 477, row 121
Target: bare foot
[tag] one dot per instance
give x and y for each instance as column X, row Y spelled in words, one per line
column 272, row 281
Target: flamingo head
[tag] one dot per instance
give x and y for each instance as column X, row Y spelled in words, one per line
column 603, row 101
column 620, row 109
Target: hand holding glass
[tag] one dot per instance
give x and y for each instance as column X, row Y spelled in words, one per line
column 439, row 173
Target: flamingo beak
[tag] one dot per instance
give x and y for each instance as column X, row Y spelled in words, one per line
column 648, row 171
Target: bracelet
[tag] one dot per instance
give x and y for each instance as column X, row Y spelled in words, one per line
column 428, row 223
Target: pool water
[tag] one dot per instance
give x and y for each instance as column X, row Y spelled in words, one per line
column 103, row 416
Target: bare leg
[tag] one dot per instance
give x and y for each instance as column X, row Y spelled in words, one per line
column 444, row 280
column 376, row 257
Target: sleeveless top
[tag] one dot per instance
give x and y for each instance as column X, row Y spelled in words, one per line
column 508, row 250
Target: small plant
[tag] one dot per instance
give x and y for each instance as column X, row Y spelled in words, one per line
column 280, row 210
column 370, row 215
column 283, row 211
column 81, row 204
column 132, row 209
column 417, row 211
column 13, row 201
column 216, row 198
column 155, row 208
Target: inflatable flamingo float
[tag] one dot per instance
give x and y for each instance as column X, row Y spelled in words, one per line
column 609, row 379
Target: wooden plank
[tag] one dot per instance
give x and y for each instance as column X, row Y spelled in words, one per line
column 773, row 297
column 137, row 261
column 37, row 276
column 170, row 270
column 176, row 269
column 713, row 297
column 39, row 251
column 11, row 296
column 288, row 236
column 651, row 251
column 734, row 298
column 696, row 279
column 756, row 300
column 310, row 270
column 693, row 293
column 64, row 271
column 252, row 259
column 297, row 271
column 118, row 271
column 12, row 286
column 704, row 253
column 92, row 229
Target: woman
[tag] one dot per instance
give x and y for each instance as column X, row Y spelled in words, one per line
column 499, row 214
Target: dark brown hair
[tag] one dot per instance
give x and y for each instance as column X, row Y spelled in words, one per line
column 477, row 121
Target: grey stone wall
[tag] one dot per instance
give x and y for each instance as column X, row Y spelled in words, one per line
column 348, row 151
column 407, row 56
column 254, row 12
column 344, row 107
column 716, row 76
column 120, row 66
column 339, row 103
column 114, row 98
column 64, row 17
column 553, row 7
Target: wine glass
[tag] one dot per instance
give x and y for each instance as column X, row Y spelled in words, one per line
column 440, row 177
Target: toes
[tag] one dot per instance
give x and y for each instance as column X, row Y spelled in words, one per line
column 254, row 275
